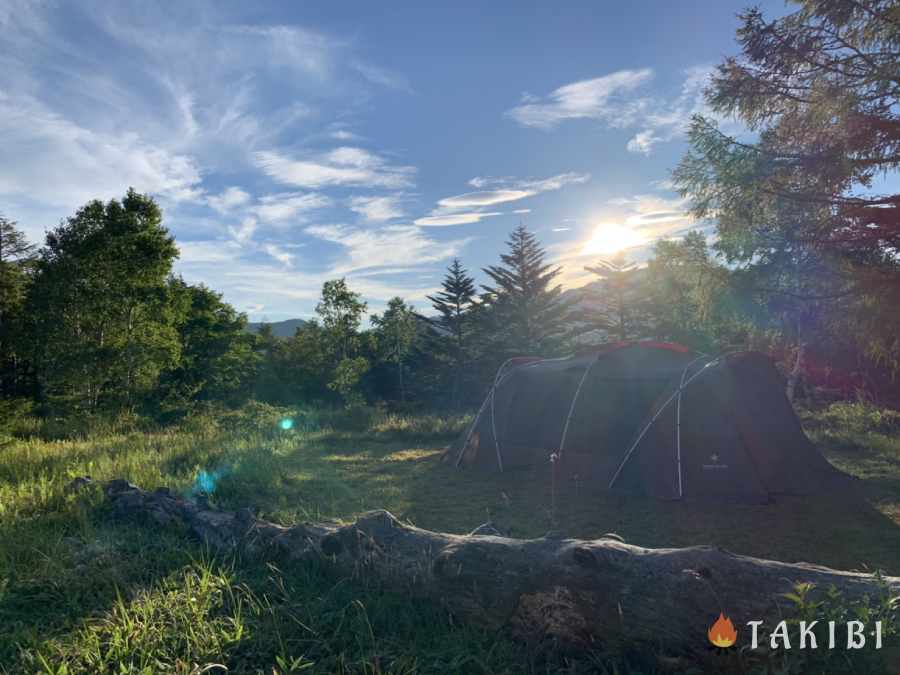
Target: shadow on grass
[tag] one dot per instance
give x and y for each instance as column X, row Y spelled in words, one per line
column 149, row 600
column 846, row 532
column 63, row 567
column 340, row 475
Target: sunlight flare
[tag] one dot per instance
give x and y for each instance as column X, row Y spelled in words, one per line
column 611, row 238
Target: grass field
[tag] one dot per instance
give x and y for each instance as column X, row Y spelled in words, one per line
column 80, row 592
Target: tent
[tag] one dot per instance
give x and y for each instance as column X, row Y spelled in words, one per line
column 649, row 418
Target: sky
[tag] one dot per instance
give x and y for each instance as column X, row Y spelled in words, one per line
column 290, row 143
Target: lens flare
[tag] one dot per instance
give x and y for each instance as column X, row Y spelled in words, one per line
column 286, row 424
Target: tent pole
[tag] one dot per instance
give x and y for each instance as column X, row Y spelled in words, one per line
column 678, row 427
column 498, row 380
column 465, row 444
column 493, row 421
column 565, row 433
column 658, row 413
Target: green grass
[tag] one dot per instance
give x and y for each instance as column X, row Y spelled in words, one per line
column 80, row 592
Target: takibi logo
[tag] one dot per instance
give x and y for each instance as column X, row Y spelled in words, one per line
column 722, row 632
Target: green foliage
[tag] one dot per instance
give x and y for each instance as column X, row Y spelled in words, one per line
column 15, row 267
column 217, row 361
column 396, row 331
column 620, row 307
column 810, row 605
column 523, row 313
column 341, row 311
column 101, row 317
column 814, row 245
column 691, row 298
column 345, row 379
column 856, row 418
column 452, row 344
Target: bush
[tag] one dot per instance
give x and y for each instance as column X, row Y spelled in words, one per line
column 833, row 606
column 16, row 416
column 857, row 418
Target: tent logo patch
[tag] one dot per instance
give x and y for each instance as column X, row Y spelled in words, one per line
column 714, row 463
column 722, row 632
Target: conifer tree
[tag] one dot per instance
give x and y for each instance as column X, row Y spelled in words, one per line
column 524, row 310
column 620, row 305
column 456, row 305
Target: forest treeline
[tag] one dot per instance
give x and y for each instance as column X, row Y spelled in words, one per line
column 802, row 262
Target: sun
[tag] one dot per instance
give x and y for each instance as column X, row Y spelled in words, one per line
column 611, row 238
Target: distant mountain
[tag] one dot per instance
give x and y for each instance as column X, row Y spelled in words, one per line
column 285, row 328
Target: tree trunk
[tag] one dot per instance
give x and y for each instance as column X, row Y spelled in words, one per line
column 796, row 372
column 573, row 592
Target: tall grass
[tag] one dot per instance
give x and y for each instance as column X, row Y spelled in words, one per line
column 82, row 592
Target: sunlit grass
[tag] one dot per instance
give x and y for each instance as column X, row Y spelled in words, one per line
column 81, row 591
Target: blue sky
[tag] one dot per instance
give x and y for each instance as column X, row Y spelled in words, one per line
column 290, row 143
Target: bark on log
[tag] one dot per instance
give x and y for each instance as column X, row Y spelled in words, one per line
column 574, row 592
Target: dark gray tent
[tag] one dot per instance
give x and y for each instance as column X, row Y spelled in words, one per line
column 650, row 418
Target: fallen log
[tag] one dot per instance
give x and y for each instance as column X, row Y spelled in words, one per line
column 574, row 592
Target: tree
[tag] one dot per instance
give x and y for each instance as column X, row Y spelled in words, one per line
column 525, row 314
column 396, row 329
column 341, row 311
column 102, row 317
column 694, row 300
column 456, row 305
column 797, row 210
column 15, row 258
column 217, row 361
column 820, row 85
column 619, row 306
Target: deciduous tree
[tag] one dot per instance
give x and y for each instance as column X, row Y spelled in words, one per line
column 103, row 321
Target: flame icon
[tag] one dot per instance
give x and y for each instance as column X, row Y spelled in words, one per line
column 722, row 632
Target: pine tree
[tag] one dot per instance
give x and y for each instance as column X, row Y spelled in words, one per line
column 620, row 305
column 456, row 304
column 524, row 308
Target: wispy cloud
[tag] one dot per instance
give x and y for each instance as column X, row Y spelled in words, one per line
column 342, row 166
column 464, row 218
column 486, row 198
column 208, row 251
column 244, row 232
column 288, row 205
column 667, row 120
column 389, row 246
column 377, row 209
column 599, row 98
column 279, row 254
column 618, row 101
column 229, row 199
column 470, row 207
column 383, row 76
column 64, row 164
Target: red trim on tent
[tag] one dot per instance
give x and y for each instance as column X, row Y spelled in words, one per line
column 652, row 344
